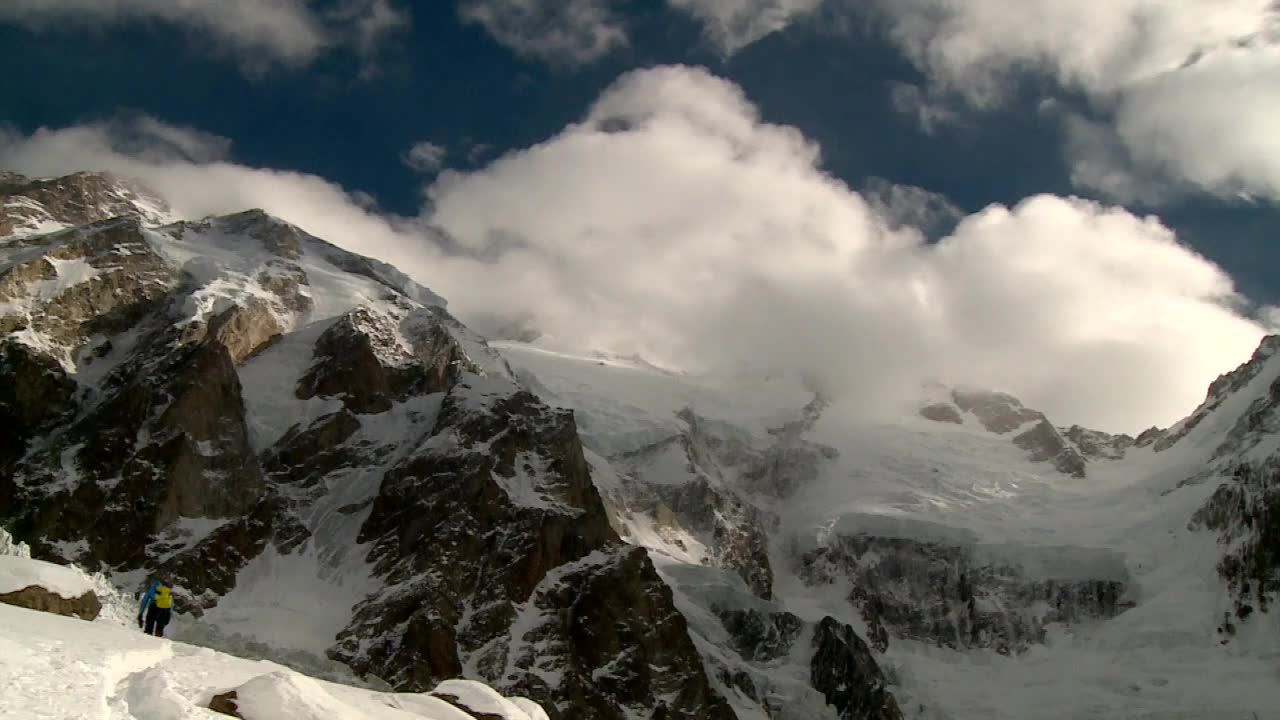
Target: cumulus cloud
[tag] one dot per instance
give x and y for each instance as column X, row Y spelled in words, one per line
column 672, row 221
column 559, row 32
column 735, row 24
column 425, row 157
column 1188, row 85
column 1269, row 316
column 291, row 32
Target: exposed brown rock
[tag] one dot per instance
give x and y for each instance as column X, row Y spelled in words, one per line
column 226, row 704
column 245, row 330
column 34, row 597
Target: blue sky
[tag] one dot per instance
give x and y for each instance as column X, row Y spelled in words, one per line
column 933, row 102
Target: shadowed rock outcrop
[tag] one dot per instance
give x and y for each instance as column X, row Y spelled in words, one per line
column 961, row 596
column 483, row 534
column 844, row 671
column 1245, row 512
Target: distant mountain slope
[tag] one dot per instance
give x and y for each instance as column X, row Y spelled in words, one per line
column 996, row 580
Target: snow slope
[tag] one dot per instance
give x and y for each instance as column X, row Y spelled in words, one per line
column 53, row 667
column 17, row 573
column 957, row 484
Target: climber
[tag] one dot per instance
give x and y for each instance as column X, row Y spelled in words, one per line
column 156, row 608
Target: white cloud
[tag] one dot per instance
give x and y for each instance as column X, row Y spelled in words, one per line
column 1269, row 316
column 559, row 32
column 673, row 222
column 1101, row 160
column 291, row 32
column 1188, row 85
column 425, row 157
column 1212, row 122
column 735, row 24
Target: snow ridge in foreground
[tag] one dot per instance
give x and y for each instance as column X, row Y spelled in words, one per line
column 58, row 667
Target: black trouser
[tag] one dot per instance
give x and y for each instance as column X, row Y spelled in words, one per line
column 157, row 618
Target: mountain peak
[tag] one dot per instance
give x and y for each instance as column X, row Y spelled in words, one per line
column 32, row 206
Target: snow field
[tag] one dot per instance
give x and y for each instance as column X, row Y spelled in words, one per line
column 56, row 668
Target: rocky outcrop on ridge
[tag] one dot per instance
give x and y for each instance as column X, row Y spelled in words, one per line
column 85, row 607
column 1068, row 450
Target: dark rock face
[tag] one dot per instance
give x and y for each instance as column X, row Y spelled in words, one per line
column 954, row 596
column 36, row 394
column 631, row 651
column 85, row 607
column 942, row 412
column 839, row 666
column 998, row 412
column 844, row 671
column 225, row 704
column 445, row 516
column 1245, row 512
column 167, row 440
column 1094, row 444
column 367, row 359
column 1044, row 443
column 492, row 519
column 759, row 636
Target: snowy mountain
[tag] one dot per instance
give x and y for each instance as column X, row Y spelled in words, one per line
column 998, row 565
column 322, row 458
column 330, row 465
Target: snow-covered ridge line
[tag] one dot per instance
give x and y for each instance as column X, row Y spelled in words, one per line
column 66, row 669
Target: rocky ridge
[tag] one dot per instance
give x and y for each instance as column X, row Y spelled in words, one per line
column 1068, row 450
